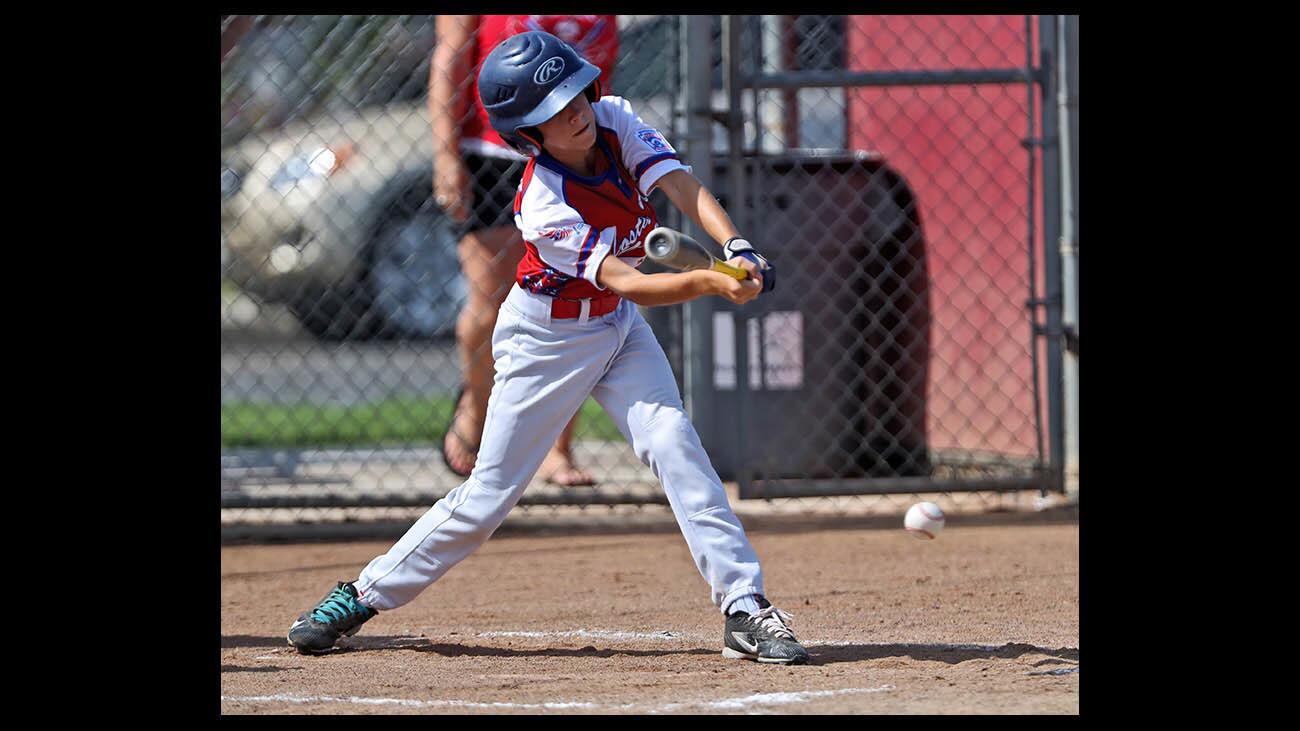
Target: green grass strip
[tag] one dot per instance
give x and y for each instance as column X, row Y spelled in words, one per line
column 390, row 422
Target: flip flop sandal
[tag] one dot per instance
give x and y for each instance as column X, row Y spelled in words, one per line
column 451, row 432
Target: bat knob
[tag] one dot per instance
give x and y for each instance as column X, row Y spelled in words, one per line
column 660, row 244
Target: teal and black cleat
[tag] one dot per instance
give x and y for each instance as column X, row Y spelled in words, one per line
column 339, row 614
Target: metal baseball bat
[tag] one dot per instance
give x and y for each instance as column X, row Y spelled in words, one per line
column 676, row 250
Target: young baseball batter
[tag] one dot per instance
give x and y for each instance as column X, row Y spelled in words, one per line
column 571, row 329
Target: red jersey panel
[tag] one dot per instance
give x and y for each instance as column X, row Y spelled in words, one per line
column 594, row 37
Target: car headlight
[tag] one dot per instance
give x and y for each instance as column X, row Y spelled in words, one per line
column 309, row 167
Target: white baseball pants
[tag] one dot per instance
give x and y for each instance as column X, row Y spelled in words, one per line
column 544, row 371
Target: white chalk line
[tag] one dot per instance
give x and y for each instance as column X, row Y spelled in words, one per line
column 592, row 634
column 759, row 699
column 919, row 645
column 772, row 699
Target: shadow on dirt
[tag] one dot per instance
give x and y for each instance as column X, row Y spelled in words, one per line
column 261, row 669
column 454, row 650
column 232, row 641
column 950, row 654
column 419, row 644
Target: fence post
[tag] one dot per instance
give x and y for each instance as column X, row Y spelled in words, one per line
column 697, row 315
column 1049, row 133
column 1068, row 98
column 744, row 215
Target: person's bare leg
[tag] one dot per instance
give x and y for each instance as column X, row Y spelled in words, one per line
column 488, row 259
column 558, row 467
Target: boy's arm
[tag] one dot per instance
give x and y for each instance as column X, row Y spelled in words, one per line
column 670, row 288
column 697, row 202
column 692, row 198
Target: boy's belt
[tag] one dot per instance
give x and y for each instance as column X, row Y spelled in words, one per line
column 568, row 309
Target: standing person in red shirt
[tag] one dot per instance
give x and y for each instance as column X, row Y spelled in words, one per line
column 475, row 179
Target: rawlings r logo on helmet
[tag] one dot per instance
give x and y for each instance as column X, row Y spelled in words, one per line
column 550, row 69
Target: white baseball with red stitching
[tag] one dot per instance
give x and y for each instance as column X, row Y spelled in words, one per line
column 924, row 520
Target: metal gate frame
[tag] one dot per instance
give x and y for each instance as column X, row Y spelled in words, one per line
column 1041, row 82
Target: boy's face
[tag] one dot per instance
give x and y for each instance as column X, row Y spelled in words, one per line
column 573, row 129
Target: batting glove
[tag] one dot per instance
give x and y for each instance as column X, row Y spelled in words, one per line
column 736, row 246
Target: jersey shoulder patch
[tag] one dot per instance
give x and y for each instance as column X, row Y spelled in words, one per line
column 652, row 139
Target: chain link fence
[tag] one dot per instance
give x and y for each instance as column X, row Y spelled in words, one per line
column 896, row 356
column 341, row 281
column 900, row 354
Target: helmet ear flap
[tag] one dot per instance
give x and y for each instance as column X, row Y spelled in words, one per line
column 532, row 134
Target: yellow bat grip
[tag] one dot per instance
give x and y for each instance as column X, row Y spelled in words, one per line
column 729, row 270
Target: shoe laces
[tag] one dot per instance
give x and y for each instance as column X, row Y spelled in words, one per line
column 336, row 607
column 774, row 620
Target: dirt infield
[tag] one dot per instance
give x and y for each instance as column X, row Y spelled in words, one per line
column 985, row 619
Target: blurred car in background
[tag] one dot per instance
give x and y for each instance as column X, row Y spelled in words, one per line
column 326, row 179
column 334, row 217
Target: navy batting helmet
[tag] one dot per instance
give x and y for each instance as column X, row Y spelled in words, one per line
column 529, row 78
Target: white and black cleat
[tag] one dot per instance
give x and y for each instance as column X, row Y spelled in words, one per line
column 762, row 637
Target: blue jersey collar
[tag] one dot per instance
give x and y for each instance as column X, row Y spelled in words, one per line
column 611, row 171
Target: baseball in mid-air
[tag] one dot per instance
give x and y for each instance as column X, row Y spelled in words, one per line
column 924, row 520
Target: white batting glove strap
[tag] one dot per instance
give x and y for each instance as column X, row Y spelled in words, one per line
column 736, row 246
